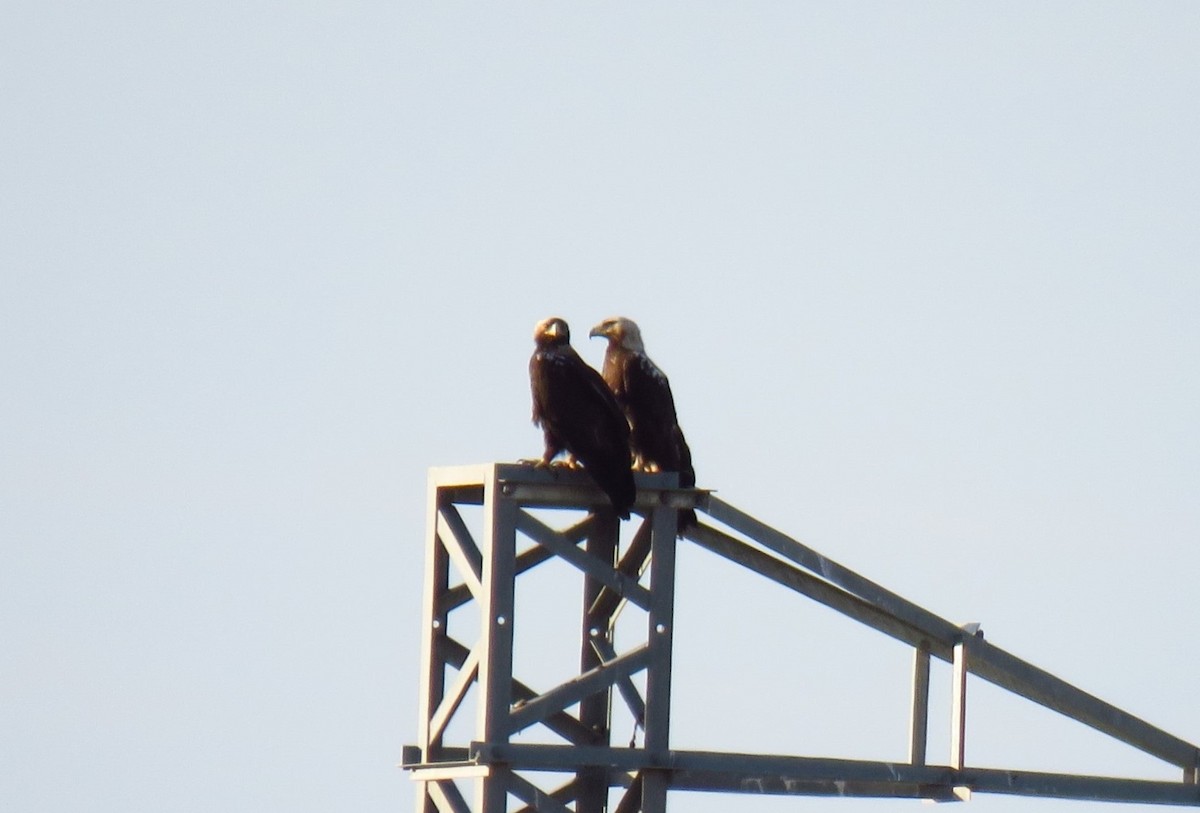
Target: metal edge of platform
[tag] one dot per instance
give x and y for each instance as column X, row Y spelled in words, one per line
column 774, row 774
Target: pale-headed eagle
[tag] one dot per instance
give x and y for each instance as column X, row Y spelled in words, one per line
column 644, row 393
column 579, row 414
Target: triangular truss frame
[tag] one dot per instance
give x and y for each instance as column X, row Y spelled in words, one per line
column 642, row 573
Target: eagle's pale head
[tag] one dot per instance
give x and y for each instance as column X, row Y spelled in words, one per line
column 551, row 331
column 620, row 332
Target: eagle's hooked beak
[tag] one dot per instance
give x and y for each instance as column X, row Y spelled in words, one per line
column 598, row 330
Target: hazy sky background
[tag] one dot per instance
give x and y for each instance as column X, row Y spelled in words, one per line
column 923, row 277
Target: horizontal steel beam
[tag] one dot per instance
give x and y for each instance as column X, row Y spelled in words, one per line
column 465, row 484
column 710, row 782
column 411, row 756
column 588, row 495
column 810, row 776
column 440, row 771
column 539, row 757
column 1091, row 788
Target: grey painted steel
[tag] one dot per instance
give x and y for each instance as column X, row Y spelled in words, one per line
column 535, row 797
column 988, row 662
column 632, row 563
column 496, row 615
column 468, row 673
column 433, row 665
column 1012, row 673
column 573, row 691
column 958, row 708
column 596, row 570
column 462, row 548
column 631, row 801
column 815, row 588
column 562, row 724
column 789, row 775
column 526, row 560
column 496, row 635
column 486, row 569
column 447, row 755
column 660, row 634
column 919, row 714
column 446, row 796
column 830, row 570
column 629, row 692
column 582, row 494
column 1092, row 788
column 563, row 793
column 487, row 573
column 595, row 709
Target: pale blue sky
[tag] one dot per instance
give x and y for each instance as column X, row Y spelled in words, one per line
column 923, row 276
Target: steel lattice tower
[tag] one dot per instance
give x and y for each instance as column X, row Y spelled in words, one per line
column 512, row 538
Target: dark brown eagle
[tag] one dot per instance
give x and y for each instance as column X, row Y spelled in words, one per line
column 644, row 393
column 578, row 414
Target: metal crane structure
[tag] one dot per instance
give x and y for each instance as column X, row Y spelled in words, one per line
column 520, row 736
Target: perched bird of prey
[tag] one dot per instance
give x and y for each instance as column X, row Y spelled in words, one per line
column 578, row 414
column 644, row 393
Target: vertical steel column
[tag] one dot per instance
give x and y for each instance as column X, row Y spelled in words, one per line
column 919, row 718
column 595, row 711
column 958, row 709
column 660, row 637
column 433, row 659
column 496, row 635
column 958, row 714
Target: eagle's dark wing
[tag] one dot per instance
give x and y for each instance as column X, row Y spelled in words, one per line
column 656, row 435
column 578, row 413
